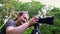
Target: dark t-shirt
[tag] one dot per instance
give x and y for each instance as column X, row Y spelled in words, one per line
column 11, row 23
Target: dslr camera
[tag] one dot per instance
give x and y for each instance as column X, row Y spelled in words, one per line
column 46, row 20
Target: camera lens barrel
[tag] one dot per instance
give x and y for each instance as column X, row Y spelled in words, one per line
column 47, row 20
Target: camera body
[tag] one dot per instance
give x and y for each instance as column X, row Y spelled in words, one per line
column 46, row 20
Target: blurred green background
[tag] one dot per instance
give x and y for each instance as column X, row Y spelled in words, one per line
column 10, row 7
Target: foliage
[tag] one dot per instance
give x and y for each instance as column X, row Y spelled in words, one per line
column 33, row 8
column 55, row 28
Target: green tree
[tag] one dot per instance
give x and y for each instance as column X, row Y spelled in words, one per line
column 33, row 8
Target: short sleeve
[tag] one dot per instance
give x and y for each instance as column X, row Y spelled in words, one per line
column 10, row 23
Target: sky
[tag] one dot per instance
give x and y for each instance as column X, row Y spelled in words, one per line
column 55, row 3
